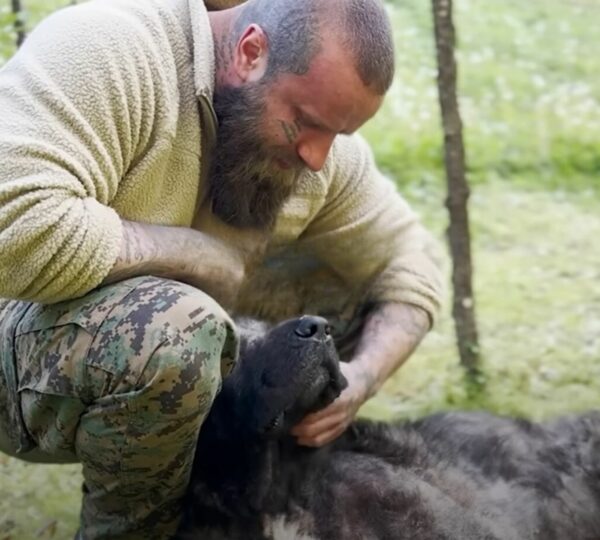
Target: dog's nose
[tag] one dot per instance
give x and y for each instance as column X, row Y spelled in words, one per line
column 310, row 326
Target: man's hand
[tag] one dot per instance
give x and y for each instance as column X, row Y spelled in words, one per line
column 327, row 424
column 390, row 334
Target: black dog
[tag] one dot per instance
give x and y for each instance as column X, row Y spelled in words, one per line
column 456, row 476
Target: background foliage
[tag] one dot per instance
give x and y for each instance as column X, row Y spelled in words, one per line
column 530, row 99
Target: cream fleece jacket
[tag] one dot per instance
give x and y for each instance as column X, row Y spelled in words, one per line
column 106, row 113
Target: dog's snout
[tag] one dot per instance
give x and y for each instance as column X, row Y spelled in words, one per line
column 312, row 326
column 338, row 382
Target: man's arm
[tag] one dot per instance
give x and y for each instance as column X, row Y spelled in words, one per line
column 391, row 333
column 186, row 255
column 372, row 239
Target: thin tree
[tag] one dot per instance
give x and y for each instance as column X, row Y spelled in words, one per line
column 463, row 305
column 19, row 25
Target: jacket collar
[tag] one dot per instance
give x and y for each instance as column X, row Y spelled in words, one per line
column 203, row 50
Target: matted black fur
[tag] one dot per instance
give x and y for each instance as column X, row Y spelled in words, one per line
column 461, row 476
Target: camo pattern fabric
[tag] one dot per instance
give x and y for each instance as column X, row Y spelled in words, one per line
column 121, row 381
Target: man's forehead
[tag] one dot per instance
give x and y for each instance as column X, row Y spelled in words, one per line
column 334, row 81
column 331, row 95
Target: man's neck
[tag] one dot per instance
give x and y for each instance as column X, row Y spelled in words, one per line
column 221, row 23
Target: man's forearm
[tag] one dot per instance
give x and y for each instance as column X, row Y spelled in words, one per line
column 182, row 254
column 391, row 333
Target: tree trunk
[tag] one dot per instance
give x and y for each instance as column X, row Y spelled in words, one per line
column 17, row 10
column 463, row 308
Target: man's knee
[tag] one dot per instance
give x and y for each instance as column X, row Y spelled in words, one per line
column 166, row 338
column 146, row 344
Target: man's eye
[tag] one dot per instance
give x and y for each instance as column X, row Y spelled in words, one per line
column 310, row 124
column 303, row 121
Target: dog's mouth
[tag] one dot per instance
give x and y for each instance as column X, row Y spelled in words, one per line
column 317, row 394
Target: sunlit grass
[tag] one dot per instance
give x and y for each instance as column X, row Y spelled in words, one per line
column 537, row 280
column 529, row 93
column 38, row 501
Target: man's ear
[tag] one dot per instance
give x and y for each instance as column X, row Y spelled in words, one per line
column 251, row 54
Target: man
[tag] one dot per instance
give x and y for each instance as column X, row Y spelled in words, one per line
column 130, row 220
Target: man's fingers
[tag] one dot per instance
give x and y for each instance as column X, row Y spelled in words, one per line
column 336, row 407
column 325, row 437
column 316, row 416
column 306, row 430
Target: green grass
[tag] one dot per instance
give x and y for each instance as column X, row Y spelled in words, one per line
column 538, row 308
column 38, row 501
column 530, row 99
column 529, row 93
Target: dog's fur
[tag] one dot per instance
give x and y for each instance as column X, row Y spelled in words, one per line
column 456, row 476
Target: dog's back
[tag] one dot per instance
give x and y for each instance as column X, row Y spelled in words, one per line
column 516, row 479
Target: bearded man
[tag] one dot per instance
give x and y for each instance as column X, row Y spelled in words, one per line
column 161, row 168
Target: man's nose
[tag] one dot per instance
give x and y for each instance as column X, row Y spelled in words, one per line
column 314, row 151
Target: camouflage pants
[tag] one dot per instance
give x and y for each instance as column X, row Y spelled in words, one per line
column 119, row 380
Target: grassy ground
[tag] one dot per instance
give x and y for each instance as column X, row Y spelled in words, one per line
column 529, row 93
column 538, row 307
column 531, row 105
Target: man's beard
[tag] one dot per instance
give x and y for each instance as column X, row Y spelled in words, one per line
column 246, row 187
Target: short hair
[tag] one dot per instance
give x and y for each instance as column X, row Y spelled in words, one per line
column 295, row 28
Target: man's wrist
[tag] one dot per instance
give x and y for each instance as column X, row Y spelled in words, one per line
column 366, row 379
column 391, row 333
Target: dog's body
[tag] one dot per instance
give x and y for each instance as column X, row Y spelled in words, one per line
column 456, row 476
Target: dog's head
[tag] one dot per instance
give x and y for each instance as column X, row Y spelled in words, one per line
column 283, row 373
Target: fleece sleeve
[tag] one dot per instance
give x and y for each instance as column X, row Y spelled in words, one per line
column 368, row 234
column 73, row 113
